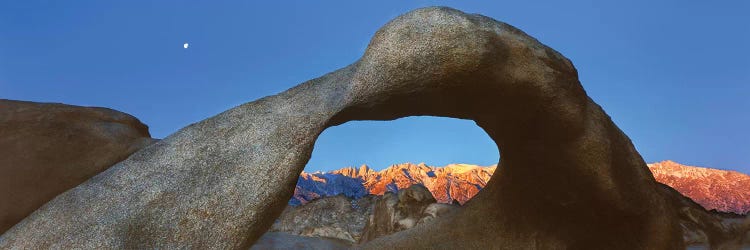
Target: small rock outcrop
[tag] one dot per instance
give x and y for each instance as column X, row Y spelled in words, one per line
column 47, row 148
column 360, row 220
column 404, row 210
column 330, row 217
column 221, row 183
column 708, row 229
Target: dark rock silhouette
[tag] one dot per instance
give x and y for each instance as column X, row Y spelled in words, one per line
column 221, row 182
column 277, row 240
column 47, row 148
column 710, row 229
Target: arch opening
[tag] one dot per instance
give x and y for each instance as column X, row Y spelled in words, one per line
column 374, row 151
column 356, row 166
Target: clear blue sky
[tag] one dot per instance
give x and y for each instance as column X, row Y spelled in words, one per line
column 674, row 75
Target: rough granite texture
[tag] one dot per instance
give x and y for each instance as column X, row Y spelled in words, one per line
column 221, row 182
column 335, row 217
column 397, row 212
column 47, row 148
column 363, row 219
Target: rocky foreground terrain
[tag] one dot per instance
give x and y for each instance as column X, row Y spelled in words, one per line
column 341, row 222
column 342, row 205
column 721, row 190
column 355, row 205
column 354, row 221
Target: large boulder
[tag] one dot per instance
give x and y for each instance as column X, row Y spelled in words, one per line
column 336, row 217
column 568, row 177
column 48, row 148
column 395, row 212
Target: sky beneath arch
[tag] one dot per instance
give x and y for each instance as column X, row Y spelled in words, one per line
column 674, row 75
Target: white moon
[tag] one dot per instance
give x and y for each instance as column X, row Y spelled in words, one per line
column 185, row 45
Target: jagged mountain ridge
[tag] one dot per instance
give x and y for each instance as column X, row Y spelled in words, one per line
column 726, row 191
column 457, row 182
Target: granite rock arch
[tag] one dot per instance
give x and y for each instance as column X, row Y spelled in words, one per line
column 569, row 177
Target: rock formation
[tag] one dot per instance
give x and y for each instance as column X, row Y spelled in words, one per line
column 330, row 217
column 568, row 177
column 48, row 148
column 709, row 229
column 701, row 228
column 364, row 219
column 395, row 212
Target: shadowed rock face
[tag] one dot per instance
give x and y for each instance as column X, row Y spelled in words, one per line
column 47, row 148
column 710, row 229
column 276, row 240
column 220, row 183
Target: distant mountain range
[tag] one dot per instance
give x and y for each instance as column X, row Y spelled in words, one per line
column 722, row 190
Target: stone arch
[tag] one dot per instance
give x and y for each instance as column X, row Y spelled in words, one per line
column 568, row 178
